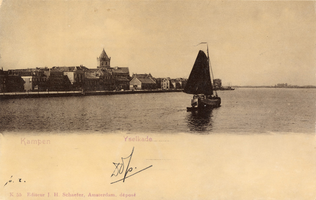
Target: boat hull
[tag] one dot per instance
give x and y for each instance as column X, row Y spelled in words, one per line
column 204, row 104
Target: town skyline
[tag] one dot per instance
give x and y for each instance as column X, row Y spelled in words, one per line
column 250, row 43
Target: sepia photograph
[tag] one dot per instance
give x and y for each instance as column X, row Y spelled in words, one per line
column 138, row 99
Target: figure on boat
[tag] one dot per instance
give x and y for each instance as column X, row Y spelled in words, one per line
column 200, row 85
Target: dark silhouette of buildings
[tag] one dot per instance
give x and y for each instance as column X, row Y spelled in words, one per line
column 81, row 78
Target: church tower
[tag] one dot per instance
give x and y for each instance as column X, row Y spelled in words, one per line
column 104, row 60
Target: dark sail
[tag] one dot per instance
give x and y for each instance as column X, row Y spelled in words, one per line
column 199, row 81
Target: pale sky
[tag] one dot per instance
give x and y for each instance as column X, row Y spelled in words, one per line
column 250, row 42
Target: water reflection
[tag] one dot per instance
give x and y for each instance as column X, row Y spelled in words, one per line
column 200, row 120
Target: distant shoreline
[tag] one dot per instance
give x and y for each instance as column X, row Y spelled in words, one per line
column 288, row 87
column 45, row 94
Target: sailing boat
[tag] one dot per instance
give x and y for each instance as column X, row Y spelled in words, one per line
column 200, row 85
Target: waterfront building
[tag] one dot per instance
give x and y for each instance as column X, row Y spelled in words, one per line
column 10, row 83
column 177, row 83
column 120, row 75
column 92, row 80
column 165, row 83
column 168, row 83
column 143, row 82
column 75, row 75
column 182, row 82
column 217, row 84
column 158, row 82
column 26, row 75
column 27, row 83
column 14, row 84
column 57, row 81
column 34, row 78
column 98, row 79
column 39, row 80
column 106, row 80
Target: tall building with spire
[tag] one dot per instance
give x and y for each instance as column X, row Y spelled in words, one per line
column 104, row 60
column 118, row 77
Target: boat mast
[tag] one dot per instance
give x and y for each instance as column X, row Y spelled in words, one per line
column 209, row 63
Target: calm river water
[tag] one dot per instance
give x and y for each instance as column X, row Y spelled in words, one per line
column 243, row 111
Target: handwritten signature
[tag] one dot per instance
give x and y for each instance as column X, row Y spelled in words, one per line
column 121, row 169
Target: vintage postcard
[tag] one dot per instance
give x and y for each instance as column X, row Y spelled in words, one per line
column 157, row 99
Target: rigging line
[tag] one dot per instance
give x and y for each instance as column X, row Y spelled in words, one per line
column 209, row 62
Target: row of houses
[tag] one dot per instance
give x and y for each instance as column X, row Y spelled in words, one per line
column 81, row 78
column 147, row 82
column 63, row 78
